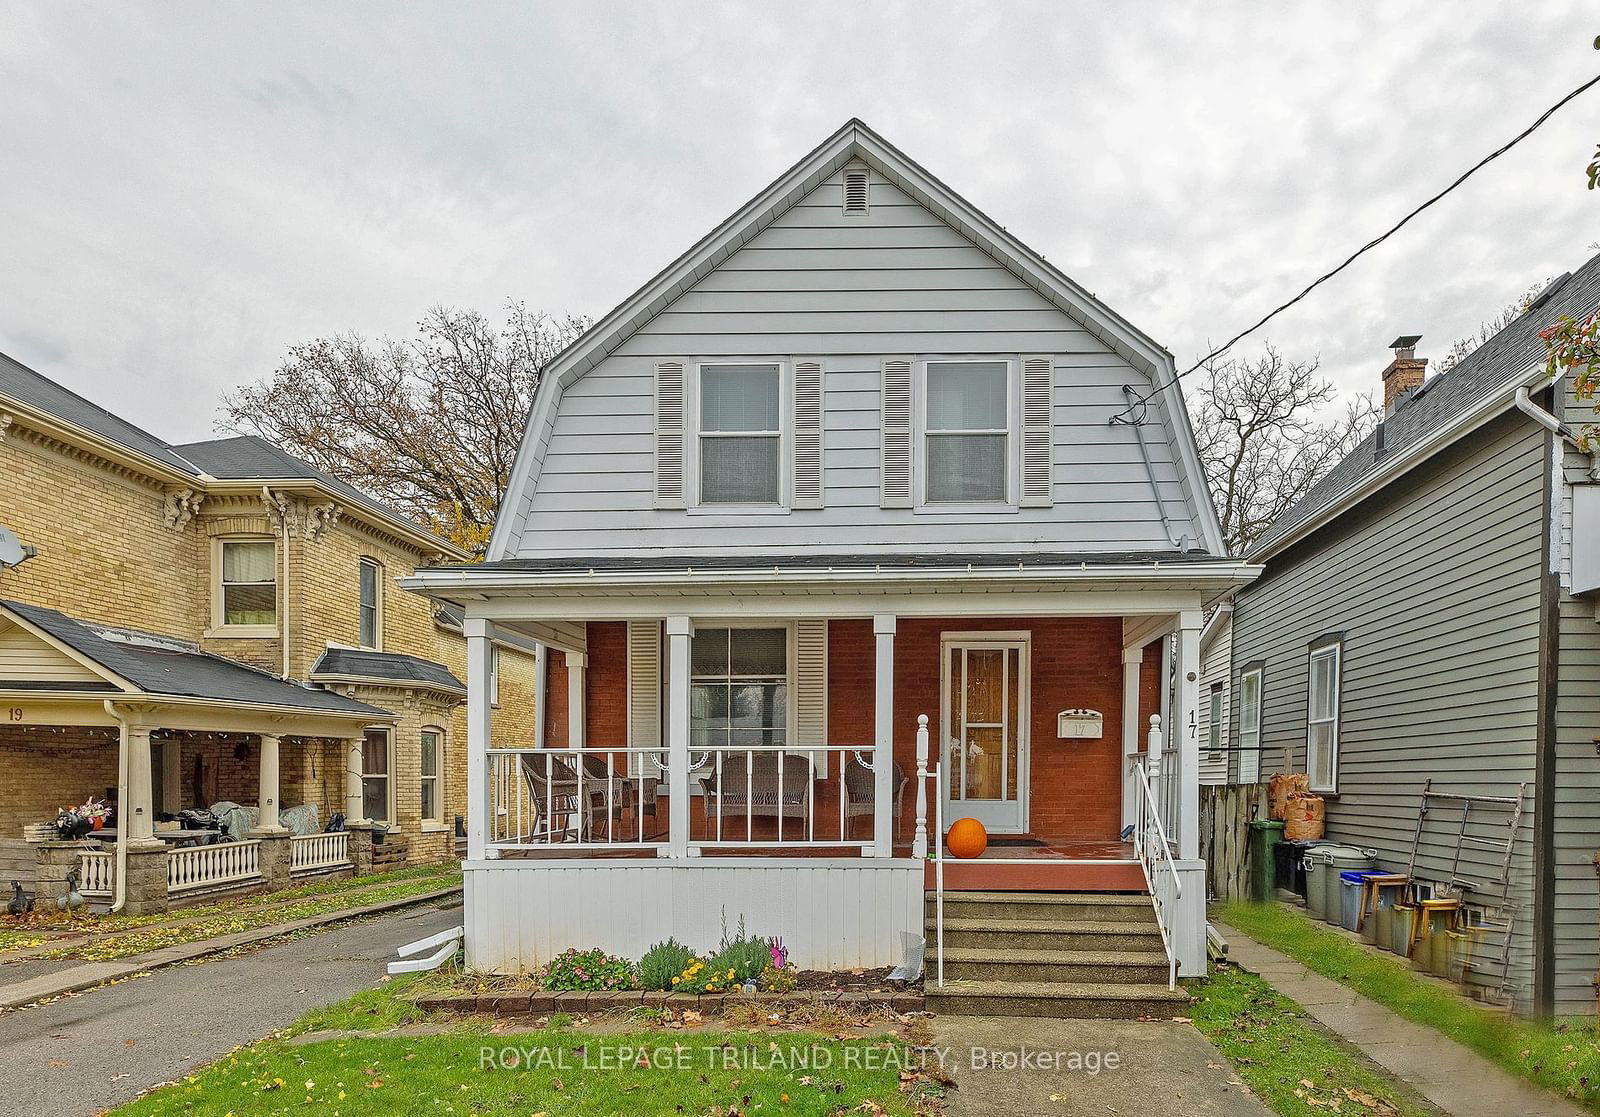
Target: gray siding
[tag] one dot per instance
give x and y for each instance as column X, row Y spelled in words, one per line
column 1435, row 586
column 1214, row 767
column 851, row 291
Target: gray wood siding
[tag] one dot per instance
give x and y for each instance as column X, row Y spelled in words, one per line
column 1214, row 669
column 1435, row 585
column 849, row 292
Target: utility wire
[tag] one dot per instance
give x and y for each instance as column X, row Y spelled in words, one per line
column 1126, row 414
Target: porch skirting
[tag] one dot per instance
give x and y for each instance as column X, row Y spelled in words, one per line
column 831, row 914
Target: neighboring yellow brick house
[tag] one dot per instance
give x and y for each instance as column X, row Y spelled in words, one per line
column 291, row 648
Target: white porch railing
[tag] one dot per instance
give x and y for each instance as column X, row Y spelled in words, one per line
column 309, row 853
column 576, row 798
column 1151, row 845
column 98, row 868
column 203, row 866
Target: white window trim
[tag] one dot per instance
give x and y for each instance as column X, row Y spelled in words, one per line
column 432, row 825
column 378, row 595
column 1216, row 722
column 790, row 706
column 243, row 631
column 494, row 675
column 1250, row 731
column 921, row 505
column 785, row 437
column 393, row 821
column 1335, row 649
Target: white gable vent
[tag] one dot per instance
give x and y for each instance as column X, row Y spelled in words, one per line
column 855, row 191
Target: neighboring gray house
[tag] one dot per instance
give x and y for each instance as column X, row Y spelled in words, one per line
column 1428, row 613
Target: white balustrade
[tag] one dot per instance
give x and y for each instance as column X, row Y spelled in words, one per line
column 97, row 868
column 204, row 866
column 309, row 853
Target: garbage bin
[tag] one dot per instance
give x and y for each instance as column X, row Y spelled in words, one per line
column 1316, row 863
column 1340, row 859
column 1265, row 833
column 1350, row 884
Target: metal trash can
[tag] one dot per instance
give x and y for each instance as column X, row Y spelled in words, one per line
column 1265, row 833
column 1316, row 863
column 1341, row 859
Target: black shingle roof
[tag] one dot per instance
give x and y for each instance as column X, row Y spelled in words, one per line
column 162, row 665
column 1508, row 357
column 388, row 666
column 250, row 457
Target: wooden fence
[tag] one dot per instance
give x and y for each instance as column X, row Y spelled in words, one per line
column 1225, row 816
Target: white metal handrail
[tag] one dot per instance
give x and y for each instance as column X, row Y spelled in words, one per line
column 98, row 869
column 1154, row 851
column 311, row 852
column 203, row 866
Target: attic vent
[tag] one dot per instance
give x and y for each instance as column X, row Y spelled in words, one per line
column 855, row 191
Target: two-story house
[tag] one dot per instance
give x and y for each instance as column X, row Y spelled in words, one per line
column 857, row 520
column 218, row 622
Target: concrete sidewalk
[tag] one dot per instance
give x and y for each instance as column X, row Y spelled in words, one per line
column 1457, row 1080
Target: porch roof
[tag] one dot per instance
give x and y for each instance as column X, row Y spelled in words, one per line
column 365, row 665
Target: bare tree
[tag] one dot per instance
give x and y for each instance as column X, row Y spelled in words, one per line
column 1513, row 310
column 1266, row 436
column 430, row 426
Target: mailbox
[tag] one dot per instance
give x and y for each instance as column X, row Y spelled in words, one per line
column 1080, row 725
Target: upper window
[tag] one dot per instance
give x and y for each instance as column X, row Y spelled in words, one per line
column 1322, row 717
column 371, row 604
column 247, row 589
column 1214, row 727
column 739, row 687
column 968, row 431
column 375, row 775
column 431, row 799
column 1250, row 725
column 741, row 434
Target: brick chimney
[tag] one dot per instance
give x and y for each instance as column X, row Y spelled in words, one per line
column 1405, row 373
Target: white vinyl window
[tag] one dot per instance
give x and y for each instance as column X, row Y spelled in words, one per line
column 371, row 590
column 738, row 687
column 494, row 675
column 247, row 583
column 375, row 775
column 741, row 434
column 1322, row 718
column 967, row 456
column 1250, row 726
column 431, row 800
column 1214, row 725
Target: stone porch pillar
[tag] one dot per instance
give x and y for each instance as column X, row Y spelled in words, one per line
column 267, row 783
column 136, row 817
column 360, row 848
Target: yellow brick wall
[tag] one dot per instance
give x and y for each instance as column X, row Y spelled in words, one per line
column 511, row 721
column 46, row 768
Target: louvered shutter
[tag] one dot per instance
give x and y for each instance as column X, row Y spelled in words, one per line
column 811, row 689
column 896, row 420
column 807, row 434
column 644, row 693
column 669, row 434
column 1038, row 373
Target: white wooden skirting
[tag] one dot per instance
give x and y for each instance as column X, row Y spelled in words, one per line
column 831, row 914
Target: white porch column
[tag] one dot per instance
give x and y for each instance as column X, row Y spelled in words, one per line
column 883, row 628
column 576, row 664
column 478, row 736
column 1188, row 739
column 354, row 806
column 1132, row 661
column 172, row 775
column 679, row 630
column 268, row 783
column 137, row 815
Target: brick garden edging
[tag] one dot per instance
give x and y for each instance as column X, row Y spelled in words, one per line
column 709, row 1004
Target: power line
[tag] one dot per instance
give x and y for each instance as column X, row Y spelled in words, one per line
column 1126, row 413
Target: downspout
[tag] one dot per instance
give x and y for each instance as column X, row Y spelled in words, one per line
column 1179, row 542
column 120, row 892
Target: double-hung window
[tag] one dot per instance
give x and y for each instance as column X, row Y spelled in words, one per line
column 739, row 689
column 247, row 590
column 1322, row 716
column 1214, row 725
column 968, row 432
column 371, row 603
column 375, row 775
column 430, row 804
column 1250, row 725
column 741, row 434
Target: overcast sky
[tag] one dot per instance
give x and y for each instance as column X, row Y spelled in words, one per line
column 189, row 188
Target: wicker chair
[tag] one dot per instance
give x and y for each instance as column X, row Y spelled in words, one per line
column 860, row 788
column 555, row 789
column 756, row 790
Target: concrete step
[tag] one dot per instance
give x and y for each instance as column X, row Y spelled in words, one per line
column 1016, row 936
column 1107, row 967
column 1044, row 906
column 1090, row 1001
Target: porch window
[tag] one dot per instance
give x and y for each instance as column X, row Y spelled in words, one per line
column 371, row 603
column 1322, row 708
column 741, row 437
column 1214, row 727
column 247, row 588
column 739, row 687
column 430, row 775
column 968, row 431
column 375, row 775
column 1250, row 725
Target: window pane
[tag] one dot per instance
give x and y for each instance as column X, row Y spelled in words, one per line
column 1321, row 749
column 708, row 652
column 375, row 799
column 430, row 794
column 739, row 470
column 369, row 585
column 1322, row 685
column 249, row 562
column 375, row 754
column 965, row 467
column 758, row 651
column 249, row 604
column 967, row 396
column 430, row 754
column 739, row 398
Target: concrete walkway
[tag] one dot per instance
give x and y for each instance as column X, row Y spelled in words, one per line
column 1457, row 1080
column 1161, row 1067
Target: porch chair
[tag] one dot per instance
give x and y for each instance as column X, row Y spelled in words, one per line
column 635, row 795
column 553, row 787
column 756, row 790
column 860, row 787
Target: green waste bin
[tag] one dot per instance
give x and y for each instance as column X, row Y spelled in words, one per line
column 1265, row 834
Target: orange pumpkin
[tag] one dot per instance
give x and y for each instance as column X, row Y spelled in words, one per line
column 967, row 838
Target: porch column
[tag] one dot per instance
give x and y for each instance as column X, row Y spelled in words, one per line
column 576, row 664
column 1188, row 739
column 268, row 783
column 137, row 815
column 478, row 736
column 172, row 775
column 1132, row 661
column 883, row 819
column 679, row 630
column 353, row 806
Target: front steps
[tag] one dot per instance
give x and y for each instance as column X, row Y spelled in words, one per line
column 1056, row 954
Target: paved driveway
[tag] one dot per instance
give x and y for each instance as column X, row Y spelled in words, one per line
column 81, row 1054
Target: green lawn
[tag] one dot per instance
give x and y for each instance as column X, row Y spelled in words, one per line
column 1291, row 1064
column 1563, row 1055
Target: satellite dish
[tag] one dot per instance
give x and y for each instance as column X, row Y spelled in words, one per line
column 13, row 551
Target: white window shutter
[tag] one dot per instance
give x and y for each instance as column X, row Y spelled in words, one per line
column 669, row 434
column 896, row 434
column 1038, row 375
column 807, row 434
column 811, row 689
column 644, row 692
